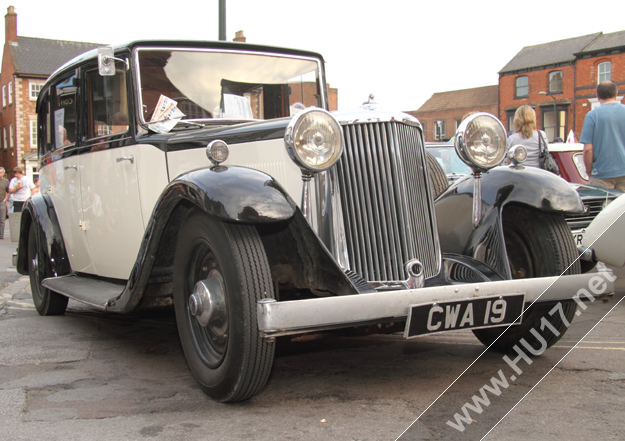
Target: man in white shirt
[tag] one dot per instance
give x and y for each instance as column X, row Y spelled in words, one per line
column 20, row 187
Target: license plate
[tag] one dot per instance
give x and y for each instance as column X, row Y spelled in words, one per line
column 578, row 237
column 485, row 312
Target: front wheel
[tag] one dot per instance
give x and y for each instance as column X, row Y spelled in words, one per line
column 538, row 245
column 220, row 273
column 46, row 302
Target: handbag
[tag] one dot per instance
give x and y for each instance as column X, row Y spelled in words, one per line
column 545, row 160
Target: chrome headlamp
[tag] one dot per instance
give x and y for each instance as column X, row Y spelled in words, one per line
column 481, row 141
column 517, row 154
column 314, row 139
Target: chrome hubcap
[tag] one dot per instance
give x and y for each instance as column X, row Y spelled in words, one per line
column 207, row 303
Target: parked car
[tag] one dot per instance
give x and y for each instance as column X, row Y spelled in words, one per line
column 605, row 234
column 594, row 198
column 570, row 159
column 211, row 176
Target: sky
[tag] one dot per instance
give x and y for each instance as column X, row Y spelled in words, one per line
column 402, row 51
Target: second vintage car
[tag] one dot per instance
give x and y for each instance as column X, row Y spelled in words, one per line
column 594, row 198
column 211, row 176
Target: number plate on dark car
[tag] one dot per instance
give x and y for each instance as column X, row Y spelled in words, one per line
column 485, row 312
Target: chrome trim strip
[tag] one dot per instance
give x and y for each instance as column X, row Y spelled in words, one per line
column 300, row 316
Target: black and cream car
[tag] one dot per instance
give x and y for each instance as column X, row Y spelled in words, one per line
column 211, row 176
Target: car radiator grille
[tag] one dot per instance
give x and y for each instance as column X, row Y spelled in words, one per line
column 577, row 222
column 388, row 214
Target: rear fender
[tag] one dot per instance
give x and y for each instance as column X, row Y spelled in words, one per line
column 531, row 187
column 40, row 211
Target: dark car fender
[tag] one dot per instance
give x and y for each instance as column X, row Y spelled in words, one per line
column 40, row 210
column 231, row 194
column 531, row 187
column 234, row 194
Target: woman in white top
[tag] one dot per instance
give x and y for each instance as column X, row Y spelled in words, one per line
column 525, row 134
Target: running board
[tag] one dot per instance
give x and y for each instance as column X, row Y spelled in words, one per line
column 96, row 293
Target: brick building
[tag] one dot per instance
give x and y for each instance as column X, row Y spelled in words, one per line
column 443, row 112
column 26, row 63
column 559, row 80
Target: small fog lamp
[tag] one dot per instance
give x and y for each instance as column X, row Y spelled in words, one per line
column 517, row 154
column 217, row 151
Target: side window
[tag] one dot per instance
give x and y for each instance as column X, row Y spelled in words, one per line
column 63, row 113
column 522, row 87
column 43, row 138
column 108, row 103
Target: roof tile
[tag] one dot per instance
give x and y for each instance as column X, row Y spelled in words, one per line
column 40, row 56
column 458, row 99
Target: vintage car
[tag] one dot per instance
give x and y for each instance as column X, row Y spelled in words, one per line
column 211, row 176
column 605, row 234
column 594, row 198
column 570, row 159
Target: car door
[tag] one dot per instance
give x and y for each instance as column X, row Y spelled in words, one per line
column 111, row 205
column 60, row 177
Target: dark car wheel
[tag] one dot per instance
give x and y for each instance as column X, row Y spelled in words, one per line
column 538, row 245
column 220, row 272
column 46, row 302
column 437, row 176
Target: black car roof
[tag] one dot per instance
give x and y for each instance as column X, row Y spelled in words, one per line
column 93, row 54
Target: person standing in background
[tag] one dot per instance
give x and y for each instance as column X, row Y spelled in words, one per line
column 36, row 188
column 20, row 187
column 4, row 196
column 526, row 134
column 603, row 136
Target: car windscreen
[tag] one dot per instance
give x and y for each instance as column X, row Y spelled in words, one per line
column 449, row 160
column 206, row 84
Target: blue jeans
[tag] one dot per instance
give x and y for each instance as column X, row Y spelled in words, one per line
column 3, row 216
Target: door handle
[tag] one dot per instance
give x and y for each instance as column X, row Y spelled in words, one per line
column 75, row 167
column 126, row 158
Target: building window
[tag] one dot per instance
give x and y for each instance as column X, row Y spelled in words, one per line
column 34, row 89
column 554, row 127
column 11, row 93
column 439, row 130
column 458, row 122
column 604, row 72
column 4, row 96
column 555, row 81
column 11, row 135
column 510, row 114
column 4, row 138
column 522, row 87
column 33, row 134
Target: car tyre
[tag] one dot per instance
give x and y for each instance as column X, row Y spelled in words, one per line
column 538, row 244
column 227, row 355
column 46, row 302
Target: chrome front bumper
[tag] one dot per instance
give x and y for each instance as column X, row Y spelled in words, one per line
column 300, row 316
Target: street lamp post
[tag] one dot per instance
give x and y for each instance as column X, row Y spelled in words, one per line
column 555, row 113
column 222, row 20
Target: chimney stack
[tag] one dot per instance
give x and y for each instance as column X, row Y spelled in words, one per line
column 10, row 25
column 238, row 36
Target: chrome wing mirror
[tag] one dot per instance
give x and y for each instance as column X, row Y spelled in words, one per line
column 106, row 61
